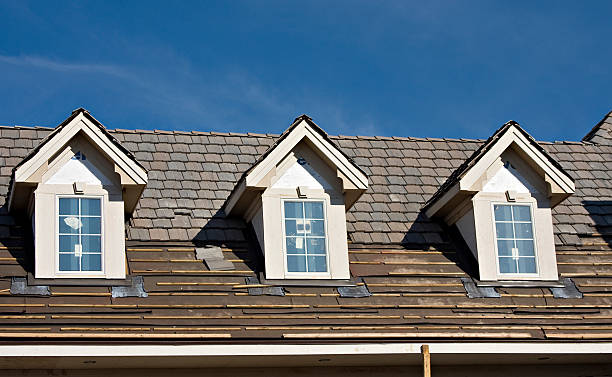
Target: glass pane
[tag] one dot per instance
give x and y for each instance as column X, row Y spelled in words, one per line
column 91, row 244
column 313, row 210
column 295, row 245
column 293, row 210
column 296, row 263
column 507, row 265
column 69, row 224
column 504, row 230
column 66, row 243
column 317, row 264
column 90, row 207
column 316, row 245
column 525, row 248
column 317, row 227
column 290, row 228
column 68, row 262
column 68, row 206
column 92, row 262
column 504, row 247
column 502, row 212
column 523, row 230
column 91, row 225
column 522, row 213
column 527, row 265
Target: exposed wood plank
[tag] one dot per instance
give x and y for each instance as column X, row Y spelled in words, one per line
column 426, row 360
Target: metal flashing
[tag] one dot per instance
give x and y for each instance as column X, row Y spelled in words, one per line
column 135, row 290
column 19, row 286
column 475, row 291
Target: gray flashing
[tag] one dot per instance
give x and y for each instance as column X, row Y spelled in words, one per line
column 135, row 290
column 261, row 291
column 475, row 291
column 19, row 286
column 213, row 257
column 355, row 291
column 569, row 290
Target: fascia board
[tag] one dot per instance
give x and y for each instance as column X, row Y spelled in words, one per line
column 441, row 202
column 502, row 144
column 234, row 350
column 234, row 198
column 135, row 172
column 303, row 130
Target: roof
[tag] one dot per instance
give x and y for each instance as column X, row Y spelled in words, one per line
column 413, row 266
column 602, row 132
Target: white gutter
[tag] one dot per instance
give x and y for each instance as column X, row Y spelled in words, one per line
column 268, row 350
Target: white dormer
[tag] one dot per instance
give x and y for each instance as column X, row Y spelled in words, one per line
column 296, row 197
column 501, row 201
column 77, row 187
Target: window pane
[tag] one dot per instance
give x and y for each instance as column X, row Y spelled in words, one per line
column 70, row 224
column 66, row 243
column 296, row 263
column 291, row 228
column 507, row 265
column 91, row 225
column 316, row 245
column 295, row 245
column 527, row 265
column 504, row 230
column 90, row 207
column 293, row 210
column 504, row 247
column 68, row 262
column 313, row 210
column 523, row 230
column 502, row 212
column 317, row 264
column 317, row 227
column 92, row 262
column 522, row 213
column 91, row 244
column 68, row 206
column 525, row 248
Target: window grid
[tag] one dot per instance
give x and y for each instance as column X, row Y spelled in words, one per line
column 306, row 222
column 79, row 215
column 515, row 256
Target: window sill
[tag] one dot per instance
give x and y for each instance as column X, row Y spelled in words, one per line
column 77, row 281
column 308, row 282
column 520, row 284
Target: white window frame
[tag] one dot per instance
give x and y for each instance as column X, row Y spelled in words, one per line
column 307, row 274
column 510, row 276
column 56, row 236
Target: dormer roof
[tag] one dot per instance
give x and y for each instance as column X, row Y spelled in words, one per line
column 461, row 182
column 26, row 174
column 253, row 180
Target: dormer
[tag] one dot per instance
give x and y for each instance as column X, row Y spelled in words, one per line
column 77, row 187
column 296, row 197
column 500, row 200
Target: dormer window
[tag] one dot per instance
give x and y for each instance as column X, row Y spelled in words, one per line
column 79, row 234
column 77, row 187
column 305, row 236
column 296, row 197
column 514, row 239
column 501, row 202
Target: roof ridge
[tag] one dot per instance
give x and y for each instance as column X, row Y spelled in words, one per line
column 597, row 137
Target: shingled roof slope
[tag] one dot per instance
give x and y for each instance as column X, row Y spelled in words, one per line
column 416, row 286
column 602, row 132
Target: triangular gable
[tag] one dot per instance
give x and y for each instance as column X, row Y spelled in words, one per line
column 462, row 181
column 27, row 172
column 303, row 128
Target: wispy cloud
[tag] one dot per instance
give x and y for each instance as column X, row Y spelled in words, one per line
column 58, row 66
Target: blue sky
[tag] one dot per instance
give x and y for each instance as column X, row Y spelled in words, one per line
column 394, row 68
